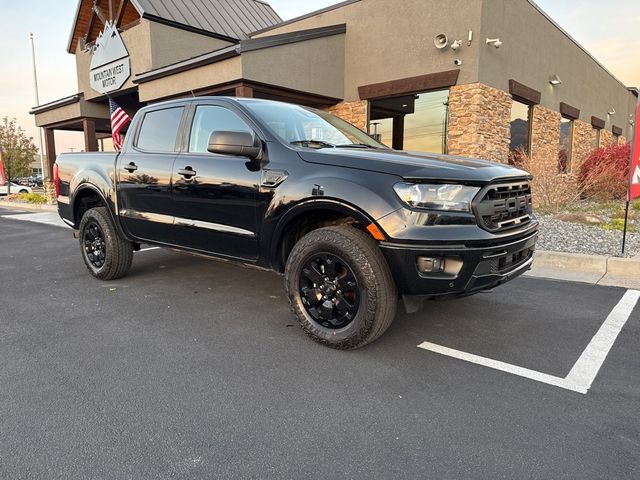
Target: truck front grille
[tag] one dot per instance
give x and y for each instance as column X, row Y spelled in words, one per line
column 504, row 206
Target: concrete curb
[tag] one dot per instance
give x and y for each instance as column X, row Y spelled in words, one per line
column 597, row 270
column 28, row 206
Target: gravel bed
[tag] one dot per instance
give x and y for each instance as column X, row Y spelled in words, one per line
column 557, row 235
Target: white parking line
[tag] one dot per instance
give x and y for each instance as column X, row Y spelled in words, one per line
column 585, row 370
column 46, row 218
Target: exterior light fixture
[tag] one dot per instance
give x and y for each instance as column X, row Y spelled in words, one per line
column 555, row 80
column 456, row 45
column 441, row 41
column 495, row 42
column 612, row 111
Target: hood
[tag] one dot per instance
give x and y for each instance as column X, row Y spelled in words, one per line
column 413, row 165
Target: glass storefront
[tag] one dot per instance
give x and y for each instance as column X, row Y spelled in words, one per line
column 412, row 122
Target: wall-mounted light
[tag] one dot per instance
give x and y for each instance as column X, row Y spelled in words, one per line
column 612, row 111
column 456, row 45
column 555, row 80
column 495, row 42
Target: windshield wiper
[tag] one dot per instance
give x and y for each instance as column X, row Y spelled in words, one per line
column 358, row 145
column 308, row 143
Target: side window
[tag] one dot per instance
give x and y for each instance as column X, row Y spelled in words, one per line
column 159, row 130
column 209, row 118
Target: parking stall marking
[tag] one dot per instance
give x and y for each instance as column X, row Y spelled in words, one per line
column 585, row 370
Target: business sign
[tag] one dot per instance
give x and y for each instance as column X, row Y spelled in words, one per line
column 634, row 190
column 110, row 62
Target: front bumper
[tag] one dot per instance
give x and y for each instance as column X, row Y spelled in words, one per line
column 485, row 265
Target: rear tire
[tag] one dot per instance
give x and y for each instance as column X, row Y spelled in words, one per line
column 340, row 287
column 106, row 255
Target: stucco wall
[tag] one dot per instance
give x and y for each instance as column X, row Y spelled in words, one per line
column 393, row 39
column 534, row 49
column 170, row 45
column 312, row 66
column 194, row 79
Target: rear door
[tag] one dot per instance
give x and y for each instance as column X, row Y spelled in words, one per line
column 215, row 195
column 144, row 173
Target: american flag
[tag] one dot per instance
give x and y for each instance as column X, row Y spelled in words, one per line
column 119, row 119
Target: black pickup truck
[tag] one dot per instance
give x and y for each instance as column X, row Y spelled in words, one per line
column 353, row 225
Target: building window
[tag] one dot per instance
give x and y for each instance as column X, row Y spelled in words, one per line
column 520, row 131
column 596, row 138
column 412, row 122
column 566, row 145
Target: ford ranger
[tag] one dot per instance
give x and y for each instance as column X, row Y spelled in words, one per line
column 353, row 225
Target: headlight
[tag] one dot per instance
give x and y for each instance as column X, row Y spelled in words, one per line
column 456, row 198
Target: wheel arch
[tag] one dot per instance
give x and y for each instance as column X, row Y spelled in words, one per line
column 88, row 196
column 308, row 216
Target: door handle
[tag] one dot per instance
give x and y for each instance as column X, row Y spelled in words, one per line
column 132, row 167
column 187, row 173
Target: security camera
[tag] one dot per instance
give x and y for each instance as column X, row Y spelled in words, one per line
column 456, row 45
column 495, row 42
column 441, row 41
column 457, row 62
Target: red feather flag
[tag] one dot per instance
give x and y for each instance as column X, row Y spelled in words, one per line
column 634, row 185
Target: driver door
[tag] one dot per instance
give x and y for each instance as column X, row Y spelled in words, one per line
column 215, row 195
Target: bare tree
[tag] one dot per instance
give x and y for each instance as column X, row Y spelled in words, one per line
column 17, row 150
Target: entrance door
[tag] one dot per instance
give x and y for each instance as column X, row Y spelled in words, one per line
column 144, row 172
column 215, row 196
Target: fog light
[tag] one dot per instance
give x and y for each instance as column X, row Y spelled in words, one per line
column 430, row 265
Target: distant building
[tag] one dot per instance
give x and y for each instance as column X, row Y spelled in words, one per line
column 477, row 78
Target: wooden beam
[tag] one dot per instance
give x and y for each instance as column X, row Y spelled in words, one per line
column 112, row 10
column 568, row 111
column 524, row 94
column 120, row 14
column 407, row 86
column 598, row 123
column 98, row 11
column 90, row 25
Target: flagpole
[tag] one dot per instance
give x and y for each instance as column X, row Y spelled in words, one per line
column 626, row 208
column 37, row 95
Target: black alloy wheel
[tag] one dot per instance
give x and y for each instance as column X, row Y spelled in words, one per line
column 340, row 288
column 329, row 291
column 106, row 254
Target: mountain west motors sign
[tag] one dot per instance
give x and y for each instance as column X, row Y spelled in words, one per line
column 110, row 63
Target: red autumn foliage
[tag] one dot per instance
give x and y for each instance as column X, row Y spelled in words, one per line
column 605, row 173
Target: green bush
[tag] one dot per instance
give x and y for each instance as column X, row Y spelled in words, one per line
column 636, row 205
column 35, row 198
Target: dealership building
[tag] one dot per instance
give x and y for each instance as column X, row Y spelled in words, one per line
column 479, row 78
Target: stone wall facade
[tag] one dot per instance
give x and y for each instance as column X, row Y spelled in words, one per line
column 583, row 143
column 356, row 113
column 606, row 138
column 479, row 122
column 545, row 140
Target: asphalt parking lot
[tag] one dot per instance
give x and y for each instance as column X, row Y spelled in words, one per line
column 191, row 368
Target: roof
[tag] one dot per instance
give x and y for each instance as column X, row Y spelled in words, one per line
column 231, row 20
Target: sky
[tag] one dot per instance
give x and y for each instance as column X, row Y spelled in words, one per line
column 609, row 30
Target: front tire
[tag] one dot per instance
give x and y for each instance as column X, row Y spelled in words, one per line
column 340, row 287
column 106, row 255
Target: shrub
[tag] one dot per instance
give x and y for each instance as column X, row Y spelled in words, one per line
column 35, row 198
column 605, row 173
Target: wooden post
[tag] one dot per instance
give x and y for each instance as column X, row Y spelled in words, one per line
column 398, row 133
column 244, row 91
column 50, row 149
column 90, row 139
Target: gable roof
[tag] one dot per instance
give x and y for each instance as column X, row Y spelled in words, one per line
column 231, row 20
column 234, row 19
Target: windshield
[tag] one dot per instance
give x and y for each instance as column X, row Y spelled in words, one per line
column 308, row 127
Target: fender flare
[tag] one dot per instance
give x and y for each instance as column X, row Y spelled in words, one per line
column 338, row 206
column 89, row 186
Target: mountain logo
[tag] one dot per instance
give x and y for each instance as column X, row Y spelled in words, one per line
column 110, row 63
column 635, row 180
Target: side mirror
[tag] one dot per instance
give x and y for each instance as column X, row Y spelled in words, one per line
column 242, row 144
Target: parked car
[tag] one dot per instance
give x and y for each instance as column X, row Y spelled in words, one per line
column 15, row 188
column 352, row 224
